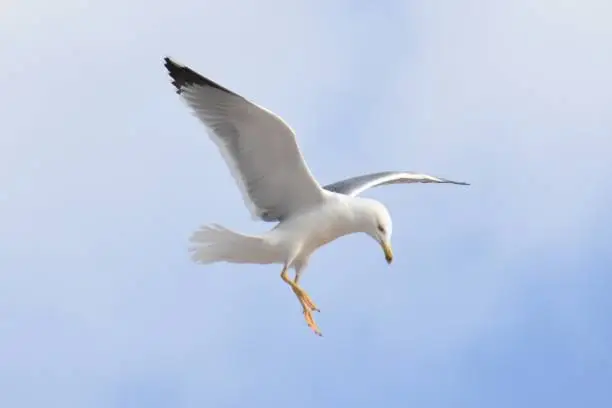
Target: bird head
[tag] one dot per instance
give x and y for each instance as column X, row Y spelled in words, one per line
column 377, row 224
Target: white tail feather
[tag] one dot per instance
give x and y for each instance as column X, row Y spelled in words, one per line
column 215, row 243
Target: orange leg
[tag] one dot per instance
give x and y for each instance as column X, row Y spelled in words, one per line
column 307, row 303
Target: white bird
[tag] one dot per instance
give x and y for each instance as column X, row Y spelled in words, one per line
column 262, row 154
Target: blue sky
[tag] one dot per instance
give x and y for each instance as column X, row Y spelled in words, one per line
column 498, row 293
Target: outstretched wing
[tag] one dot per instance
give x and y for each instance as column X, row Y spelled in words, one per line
column 259, row 147
column 356, row 185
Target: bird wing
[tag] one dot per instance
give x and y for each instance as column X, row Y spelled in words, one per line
column 259, row 148
column 356, row 185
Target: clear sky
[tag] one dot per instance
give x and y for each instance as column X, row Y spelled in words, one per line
column 498, row 296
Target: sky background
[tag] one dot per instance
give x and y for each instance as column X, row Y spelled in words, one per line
column 498, row 295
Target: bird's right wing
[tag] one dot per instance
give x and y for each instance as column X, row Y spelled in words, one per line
column 356, row 185
column 259, row 147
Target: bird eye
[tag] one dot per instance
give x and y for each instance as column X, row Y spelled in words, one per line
column 381, row 228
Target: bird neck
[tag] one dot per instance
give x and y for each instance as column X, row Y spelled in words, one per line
column 360, row 214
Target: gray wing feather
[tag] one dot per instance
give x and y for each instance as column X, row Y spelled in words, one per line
column 258, row 146
column 356, row 185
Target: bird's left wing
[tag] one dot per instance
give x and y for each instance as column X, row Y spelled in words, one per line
column 356, row 185
column 259, row 148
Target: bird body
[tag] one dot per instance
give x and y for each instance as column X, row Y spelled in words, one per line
column 294, row 239
column 276, row 185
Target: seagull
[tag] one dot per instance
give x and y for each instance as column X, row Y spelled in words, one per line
column 276, row 185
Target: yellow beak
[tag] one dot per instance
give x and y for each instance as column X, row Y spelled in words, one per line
column 388, row 251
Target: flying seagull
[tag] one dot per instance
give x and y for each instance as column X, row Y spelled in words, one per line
column 276, row 185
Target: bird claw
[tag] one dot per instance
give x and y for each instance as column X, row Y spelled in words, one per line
column 311, row 322
column 306, row 301
column 310, row 304
column 307, row 304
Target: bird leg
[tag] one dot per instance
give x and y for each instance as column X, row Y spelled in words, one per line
column 305, row 299
column 307, row 304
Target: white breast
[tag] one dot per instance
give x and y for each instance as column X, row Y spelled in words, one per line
column 317, row 227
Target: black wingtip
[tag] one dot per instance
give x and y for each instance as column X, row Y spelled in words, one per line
column 183, row 76
column 459, row 183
